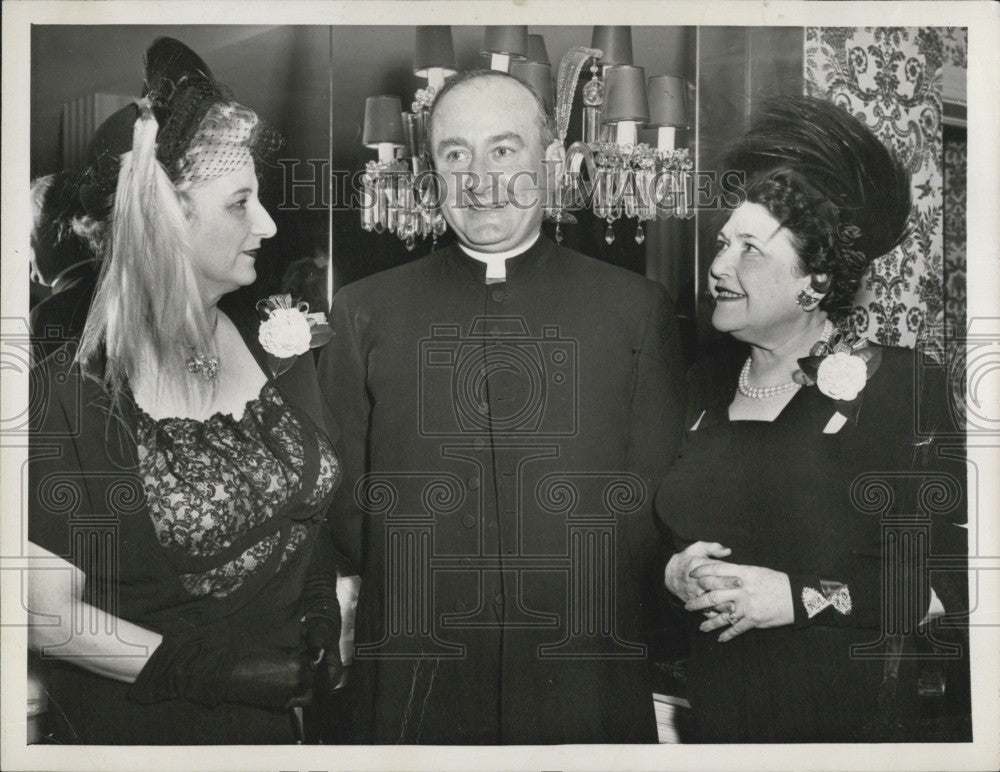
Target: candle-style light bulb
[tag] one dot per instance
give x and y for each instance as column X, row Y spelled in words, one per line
column 665, row 138
column 386, row 152
column 435, row 77
column 500, row 62
column 627, row 133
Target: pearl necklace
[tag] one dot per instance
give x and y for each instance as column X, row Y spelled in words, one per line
column 765, row 392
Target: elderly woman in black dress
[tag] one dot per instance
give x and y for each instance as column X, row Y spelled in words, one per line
column 795, row 594
column 184, row 590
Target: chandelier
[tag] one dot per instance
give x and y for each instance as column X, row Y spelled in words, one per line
column 607, row 171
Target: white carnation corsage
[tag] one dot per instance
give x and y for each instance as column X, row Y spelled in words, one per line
column 842, row 376
column 288, row 330
column 840, row 369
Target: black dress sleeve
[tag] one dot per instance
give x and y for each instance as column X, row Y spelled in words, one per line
column 887, row 584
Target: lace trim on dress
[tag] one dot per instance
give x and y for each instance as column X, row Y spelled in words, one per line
column 211, row 485
column 223, row 580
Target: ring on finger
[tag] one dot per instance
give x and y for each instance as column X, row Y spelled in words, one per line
column 730, row 616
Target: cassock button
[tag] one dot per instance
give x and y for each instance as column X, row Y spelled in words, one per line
column 469, row 521
column 460, row 605
column 498, row 599
column 467, row 562
column 498, row 295
column 479, row 444
column 473, row 483
column 494, row 330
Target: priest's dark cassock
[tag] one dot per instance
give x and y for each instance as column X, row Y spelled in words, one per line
column 500, row 442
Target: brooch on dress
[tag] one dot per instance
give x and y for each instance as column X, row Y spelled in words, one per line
column 288, row 330
column 830, row 594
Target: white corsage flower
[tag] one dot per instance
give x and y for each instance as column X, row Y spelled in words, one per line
column 839, row 367
column 841, row 376
column 288, row 330
column 286, row 333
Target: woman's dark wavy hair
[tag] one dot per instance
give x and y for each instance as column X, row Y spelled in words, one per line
column 822, row 174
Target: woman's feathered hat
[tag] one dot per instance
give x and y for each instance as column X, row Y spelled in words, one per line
column 181, row 89
column 840, row 160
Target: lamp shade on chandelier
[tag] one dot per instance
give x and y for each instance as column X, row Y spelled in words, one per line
column 537, row 51
column 434, row 54
column 503, row 44
column 539, row 77
column 614, row 43
column 384, row 125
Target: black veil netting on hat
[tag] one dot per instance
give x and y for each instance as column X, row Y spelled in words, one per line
column 839, row 157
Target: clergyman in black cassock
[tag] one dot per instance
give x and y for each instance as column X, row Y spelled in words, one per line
column 506, row 406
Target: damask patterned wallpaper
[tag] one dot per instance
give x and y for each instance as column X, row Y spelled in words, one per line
column 890, row 77
column 956, row 45
column 956, row 159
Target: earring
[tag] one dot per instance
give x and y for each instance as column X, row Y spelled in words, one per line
column 808, row 299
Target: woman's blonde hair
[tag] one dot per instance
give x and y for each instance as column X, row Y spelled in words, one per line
column 147, row 317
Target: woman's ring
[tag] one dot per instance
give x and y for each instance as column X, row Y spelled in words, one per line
column 731, row 617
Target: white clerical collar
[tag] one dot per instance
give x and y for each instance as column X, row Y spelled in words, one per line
column 495, row 261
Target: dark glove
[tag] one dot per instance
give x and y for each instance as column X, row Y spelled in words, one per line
column 321, row 615
column 271, row 678
column 212, row 672
column 321, row 637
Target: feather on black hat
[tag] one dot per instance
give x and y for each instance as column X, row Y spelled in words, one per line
column 839, row 159
column 169, row 63
column 181, row 90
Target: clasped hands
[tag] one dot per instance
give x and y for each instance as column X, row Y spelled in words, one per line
column 733, row 596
